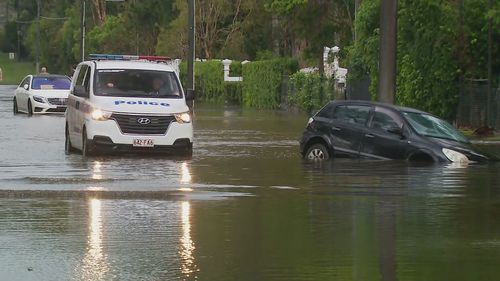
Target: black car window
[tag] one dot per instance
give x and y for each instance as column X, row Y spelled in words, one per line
column 356, row 114
column 327, row 111
column 384, row 122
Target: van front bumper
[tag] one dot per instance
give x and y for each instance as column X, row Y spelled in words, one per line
column 106, row 136
column 106, row 145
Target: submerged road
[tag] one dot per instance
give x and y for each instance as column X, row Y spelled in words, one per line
column 245, row 207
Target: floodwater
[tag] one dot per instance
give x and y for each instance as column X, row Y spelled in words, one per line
column 245, row 207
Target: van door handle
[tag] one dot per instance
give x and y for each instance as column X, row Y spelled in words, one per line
column 77, row 105
column 369, row 136
column 335, row 128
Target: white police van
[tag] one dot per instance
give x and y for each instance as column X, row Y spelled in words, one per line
column 128, row 103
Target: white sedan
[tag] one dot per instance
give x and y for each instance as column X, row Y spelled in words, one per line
column 45, row 93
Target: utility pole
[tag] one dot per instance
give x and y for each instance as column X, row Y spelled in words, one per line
column 37, row 36
column 18, row 31
column 83, row 22
column 191, row 43
column 490, row 85
column 387, row 58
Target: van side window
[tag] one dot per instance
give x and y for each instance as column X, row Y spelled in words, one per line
column 81, row 74
column 86, row 80
column 355, row 114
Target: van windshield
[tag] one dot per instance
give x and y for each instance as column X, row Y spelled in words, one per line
column 430, row 126
column 136, row 83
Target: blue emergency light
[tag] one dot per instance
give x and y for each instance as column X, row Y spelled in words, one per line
column 127, row 57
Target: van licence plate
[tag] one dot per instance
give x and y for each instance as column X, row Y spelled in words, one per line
column 143, row 143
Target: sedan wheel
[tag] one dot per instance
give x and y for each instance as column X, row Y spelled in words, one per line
column 30, row 109
column 15, row 109
column 317, row 152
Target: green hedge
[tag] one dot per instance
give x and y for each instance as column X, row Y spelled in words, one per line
column 210, row 84
column 310, row 91
column 262, row 81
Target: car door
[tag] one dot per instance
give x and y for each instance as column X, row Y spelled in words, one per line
column 385, row 136
column 75, row 116
column 347, row 127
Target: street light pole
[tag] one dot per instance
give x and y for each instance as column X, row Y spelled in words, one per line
column 37, row 36
column 388, row 47
column 191, row 43
column 82, row 29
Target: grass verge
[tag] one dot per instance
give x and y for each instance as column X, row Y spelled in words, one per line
column 13, row 71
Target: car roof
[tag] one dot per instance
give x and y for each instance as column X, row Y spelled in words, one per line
column 50, row 76
column 120, row 64
column 378, row 104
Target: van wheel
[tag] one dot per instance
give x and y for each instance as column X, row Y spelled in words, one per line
column 30, row 108
column 87, row 149
column 68, row 147
column 15, row 109
column 317, row 152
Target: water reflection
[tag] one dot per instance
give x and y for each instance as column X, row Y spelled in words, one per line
column 96, row 170
column 188, row 266
column 185, row 174
column 94, row 263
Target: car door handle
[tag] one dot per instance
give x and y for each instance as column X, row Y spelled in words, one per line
column 369, row 136
column 335, row 128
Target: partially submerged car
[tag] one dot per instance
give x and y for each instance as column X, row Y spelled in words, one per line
column 382, row 131
column 44, row 93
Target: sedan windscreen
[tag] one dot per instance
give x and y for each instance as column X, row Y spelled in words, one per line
column 50, row 83
column 137, row 83
column 430, row 126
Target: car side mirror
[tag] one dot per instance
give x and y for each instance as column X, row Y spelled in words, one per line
column 26, row 87
column 79, row 91
column 190, row 94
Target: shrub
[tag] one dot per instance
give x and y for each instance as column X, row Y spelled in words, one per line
column 262, row 81
column 310, row 91
column 210, row 84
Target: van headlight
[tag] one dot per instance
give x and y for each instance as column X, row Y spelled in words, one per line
column 100, row 115
column 184, row 117
column 455, row 156
column 39, row 99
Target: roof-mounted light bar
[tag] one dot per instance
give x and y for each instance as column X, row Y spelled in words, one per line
column 127, row 57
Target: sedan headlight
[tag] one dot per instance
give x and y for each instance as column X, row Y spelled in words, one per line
column 39, row 99
column 455, row 156
column 184, row 117
column 100, row 115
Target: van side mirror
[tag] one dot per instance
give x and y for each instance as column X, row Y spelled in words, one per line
column 190, row 94
column 26, row 87
column 79, row 91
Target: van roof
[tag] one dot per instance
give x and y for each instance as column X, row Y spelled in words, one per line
column 146, row 65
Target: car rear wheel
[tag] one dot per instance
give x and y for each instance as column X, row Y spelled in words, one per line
column 15, row 109
column 30, row 109
column 317, row 152
column 87, row 149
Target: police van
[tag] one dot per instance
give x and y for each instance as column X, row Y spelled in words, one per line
column 128, row 103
